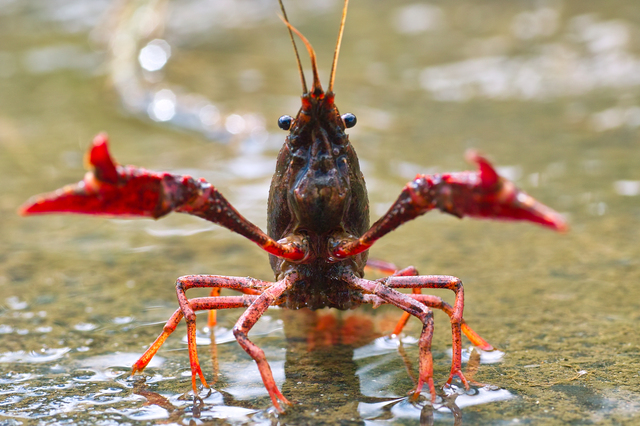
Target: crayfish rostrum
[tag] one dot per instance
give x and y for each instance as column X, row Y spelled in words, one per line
column 318, row 232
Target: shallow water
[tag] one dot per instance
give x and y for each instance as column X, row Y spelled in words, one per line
column 550, row 91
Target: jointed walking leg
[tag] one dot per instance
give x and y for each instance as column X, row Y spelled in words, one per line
column 392, row 270
column 437, row 303
column 455, row 312
column 202, row 303
column 437, row 281
column 476, row 340
column 417, row 309
column 246, row 285
column 187, row 308
column 247, row 320
column 441, row 282
column 215, row 281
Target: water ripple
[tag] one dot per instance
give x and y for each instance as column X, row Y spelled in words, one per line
column 44, row 355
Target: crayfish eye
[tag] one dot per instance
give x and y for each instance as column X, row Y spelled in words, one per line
column 285, row 122
column 349, row 119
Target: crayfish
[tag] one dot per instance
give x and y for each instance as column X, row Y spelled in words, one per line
column 318, row 232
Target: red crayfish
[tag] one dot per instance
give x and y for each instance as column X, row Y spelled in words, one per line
column 318, row 232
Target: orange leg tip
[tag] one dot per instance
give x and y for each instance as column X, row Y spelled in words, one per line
column 415, row 392
column 463, row 379
column 478, row 384
column 277, row 397
column 137, row 368
column 275, row 400
column 278, row 407
column 482, row 345
column 467, row 386
column 204, row 382
column 475, row 339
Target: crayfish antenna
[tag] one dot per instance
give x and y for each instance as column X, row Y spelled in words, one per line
column 317, row 87
column 334, row 65
column 295, row 49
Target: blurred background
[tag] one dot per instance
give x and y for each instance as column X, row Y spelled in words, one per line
column 548, row 90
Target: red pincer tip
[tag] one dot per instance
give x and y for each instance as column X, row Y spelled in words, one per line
column 100, row 160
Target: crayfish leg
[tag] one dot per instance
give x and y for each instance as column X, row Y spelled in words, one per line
column 246, row 321
column 169, row 328
column 376, row 292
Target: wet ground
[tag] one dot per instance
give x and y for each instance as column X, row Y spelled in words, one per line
column 550, row 91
